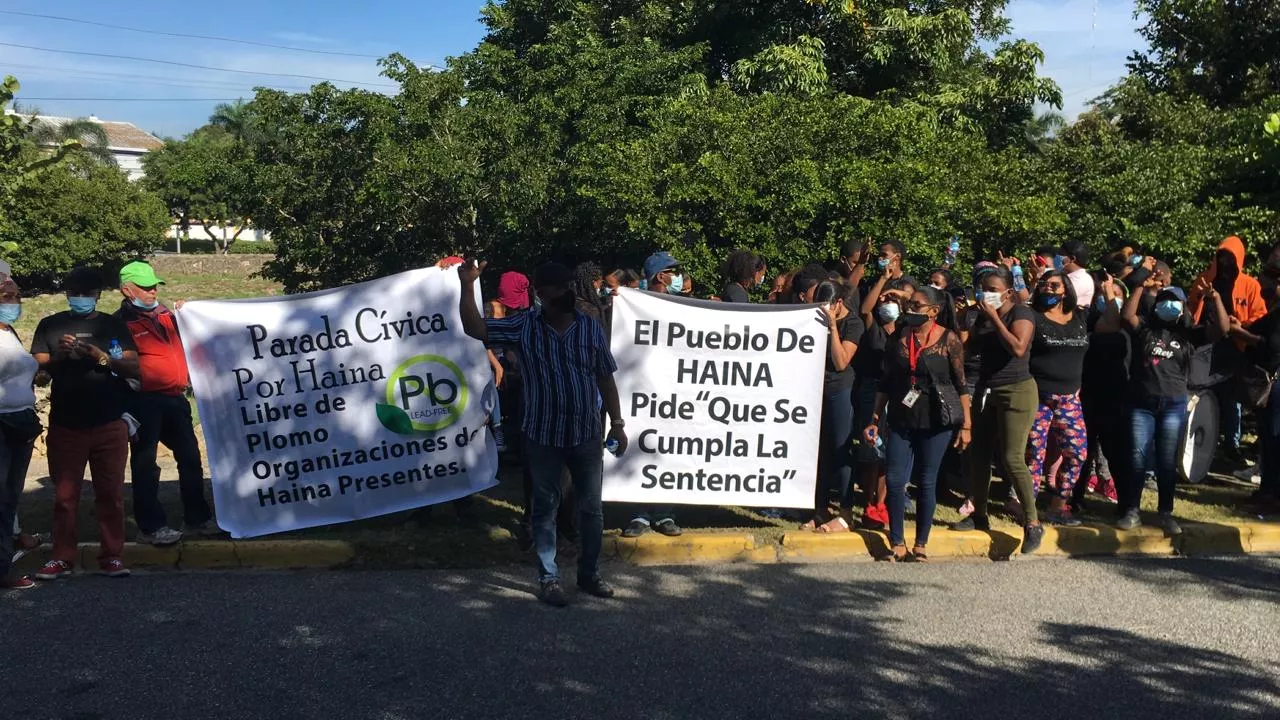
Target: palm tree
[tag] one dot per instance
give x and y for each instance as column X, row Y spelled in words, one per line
column 90, row 135
column 234, row 117
column 1042, row 128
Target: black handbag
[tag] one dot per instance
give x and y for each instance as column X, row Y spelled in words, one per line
column 950, row 411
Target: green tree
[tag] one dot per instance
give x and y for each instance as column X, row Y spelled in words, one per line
column 234, row 117
column 202, row 180
column 80, row 212
column 20, row 160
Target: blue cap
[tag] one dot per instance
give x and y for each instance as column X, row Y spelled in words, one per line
column 1176, row 292
column 657, row 262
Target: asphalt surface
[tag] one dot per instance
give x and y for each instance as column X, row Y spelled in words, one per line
column 1046, row 639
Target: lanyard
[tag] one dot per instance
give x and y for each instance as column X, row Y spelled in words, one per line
column 914, row 348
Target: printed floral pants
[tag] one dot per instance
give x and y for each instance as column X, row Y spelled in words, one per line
column 1059, row 420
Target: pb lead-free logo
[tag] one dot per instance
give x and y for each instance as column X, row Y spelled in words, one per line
column 424, row 394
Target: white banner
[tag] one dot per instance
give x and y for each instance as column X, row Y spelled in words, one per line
column 341, row 404
column 722, row 402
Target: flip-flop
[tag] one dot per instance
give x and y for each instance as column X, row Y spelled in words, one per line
column 894, row 557
column 840, row 525
column 917, row 554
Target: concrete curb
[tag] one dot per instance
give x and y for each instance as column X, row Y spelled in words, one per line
column 708, row 548
column 215, row 555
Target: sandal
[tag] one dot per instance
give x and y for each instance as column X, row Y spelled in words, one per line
column 894, row 556
column 834, row 525
column 918, row 554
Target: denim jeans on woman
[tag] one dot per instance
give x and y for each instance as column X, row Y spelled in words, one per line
column 585, row 463
column 920, row 451
column 15, row 457
column 1158, row 425
column 835, row 450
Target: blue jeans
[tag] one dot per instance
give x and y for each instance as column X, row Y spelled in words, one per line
column 1158, row 426
column 835, row 450
column 1232, row 414
column 920, row 451
column 586, row 466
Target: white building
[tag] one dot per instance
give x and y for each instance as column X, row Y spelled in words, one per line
column 126, row 141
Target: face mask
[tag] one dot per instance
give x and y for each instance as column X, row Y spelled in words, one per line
column 1050, row 300
column 1101, row 304
column 1059, row 262
column 936, row 286
column 145, row 306
column 882, row 263
column 9, row 314
column 888, row 312
column 914, row 319
column 677, row 285
column 993, row 299
column 1168, row 310
column 82, row 305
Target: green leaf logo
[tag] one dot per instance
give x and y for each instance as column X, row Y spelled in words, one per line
column 395, row 420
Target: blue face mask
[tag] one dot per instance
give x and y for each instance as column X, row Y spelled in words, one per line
column 1168, row 310
column 677, row 284
column 1101, row 304
column 145, row 306
column 883, row 263
column 1050, row 300
column 888, row 312
column 82, row 305
column 9, row 314
column 1059, row 262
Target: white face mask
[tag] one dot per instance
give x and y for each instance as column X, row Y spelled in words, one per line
column 993, row 299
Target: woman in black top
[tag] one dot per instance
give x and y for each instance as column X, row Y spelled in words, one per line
column 1003, row 335
column 923, row 401
column 1163, row 344
column 1103, row 385
column 1263, row 337
column 1057, row 362
column 835, row 445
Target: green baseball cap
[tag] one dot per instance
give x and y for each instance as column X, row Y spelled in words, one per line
column 140, row 274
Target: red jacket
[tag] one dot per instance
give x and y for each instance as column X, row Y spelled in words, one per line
column 160, row 355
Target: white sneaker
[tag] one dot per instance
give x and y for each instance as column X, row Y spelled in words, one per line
column 163, row 537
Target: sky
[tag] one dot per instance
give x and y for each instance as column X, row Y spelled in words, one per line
column 1085, row 53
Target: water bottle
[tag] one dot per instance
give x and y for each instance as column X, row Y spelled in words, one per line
column 115, row 352
column 879, row 447
column 953, row 250
column 611, row 446
column 1018, row 283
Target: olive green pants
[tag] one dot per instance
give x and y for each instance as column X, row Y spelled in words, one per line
column 1000, row 430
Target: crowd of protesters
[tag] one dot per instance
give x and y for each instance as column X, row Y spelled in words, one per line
column 1060, row 375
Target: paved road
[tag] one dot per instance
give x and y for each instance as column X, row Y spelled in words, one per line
column 1046, row 639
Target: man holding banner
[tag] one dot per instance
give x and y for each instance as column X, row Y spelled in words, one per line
column 568, row 371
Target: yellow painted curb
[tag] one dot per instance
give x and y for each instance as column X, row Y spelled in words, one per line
column 688, row 549
column 803, row 546
column 1213, row 540
column 1263, row 538
column 283, row 554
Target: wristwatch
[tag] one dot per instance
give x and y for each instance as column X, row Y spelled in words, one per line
column 104, row 361
column 619, row 424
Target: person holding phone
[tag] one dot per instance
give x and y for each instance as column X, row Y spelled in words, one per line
column 1002, row 334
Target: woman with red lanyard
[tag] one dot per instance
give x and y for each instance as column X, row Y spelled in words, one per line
column 921, row 403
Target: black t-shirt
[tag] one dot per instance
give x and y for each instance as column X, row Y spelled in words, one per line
column 1162, row 359
column 734, row 293
column 998, row 367
column 940, row 363
column 84, row 394
column 1057, row 354
column 851, row 330
column 1106, row 364
column 870, row 356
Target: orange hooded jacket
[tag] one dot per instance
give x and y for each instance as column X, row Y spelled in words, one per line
column 1246, row 304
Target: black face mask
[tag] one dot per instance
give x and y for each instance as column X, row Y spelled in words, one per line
column 913, row 319
column 562, row 303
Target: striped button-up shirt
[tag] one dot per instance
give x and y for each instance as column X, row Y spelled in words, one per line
column 561, row 371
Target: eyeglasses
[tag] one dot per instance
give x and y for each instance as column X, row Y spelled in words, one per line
column 1053, row 286
column 913, row 305
column 147, row 288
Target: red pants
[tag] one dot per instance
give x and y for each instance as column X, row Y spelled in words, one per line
column 106, row 450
